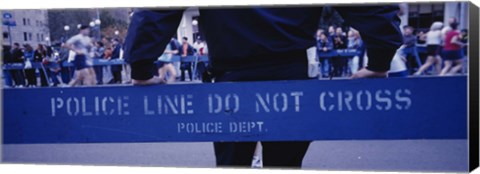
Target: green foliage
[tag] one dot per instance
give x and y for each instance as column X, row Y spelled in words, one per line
column 330, row 17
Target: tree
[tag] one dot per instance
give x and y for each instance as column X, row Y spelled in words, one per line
column 114, row 20
column 330, row 17
column 58, row 19
column 111, row 21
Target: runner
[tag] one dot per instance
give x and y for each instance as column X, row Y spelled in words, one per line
column 81, row 45
column 165, row 65
column 434, row 40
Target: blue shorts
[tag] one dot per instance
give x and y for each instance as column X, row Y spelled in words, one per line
column 453, row 54
column 80, row 62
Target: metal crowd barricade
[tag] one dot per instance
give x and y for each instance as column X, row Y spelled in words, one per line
column 195, row 59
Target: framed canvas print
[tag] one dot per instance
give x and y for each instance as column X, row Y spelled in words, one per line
column 355, row 87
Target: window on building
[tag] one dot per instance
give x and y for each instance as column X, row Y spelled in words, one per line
column 24, row 21
column 38, row 37
column 42, row 38
column 422, row 15
column 25, row 37
column 28, row 22
column 5, row 35
column 30, row 36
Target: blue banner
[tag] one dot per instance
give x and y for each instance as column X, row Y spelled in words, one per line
column 365, row 109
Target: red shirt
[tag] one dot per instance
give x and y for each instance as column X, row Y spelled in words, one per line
column 449, row 46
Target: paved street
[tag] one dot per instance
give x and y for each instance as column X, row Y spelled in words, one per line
column 398, row 155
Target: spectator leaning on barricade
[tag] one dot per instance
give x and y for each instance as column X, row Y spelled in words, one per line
column 464, row 40
column 98, row 52
column 275, row 49
column 116, row 69
column 340, row 42
column 410, row 49
column 65, row 71
column 186, row 50
column 17, row 57
column 331, row 32
column 324, row 45
column 7, row 59
column 53, row 66
column 355, row 42
column 29, row 54
column 200, row 50
column 433, row 39
column 453, row 51
column 81, row 45
column 40, row 56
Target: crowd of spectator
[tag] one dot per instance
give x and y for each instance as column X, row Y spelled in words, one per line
column 441, row 50
column 52, row 58
column 54, row 73
column 337, row 39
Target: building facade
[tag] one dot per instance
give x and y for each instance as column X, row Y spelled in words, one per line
column 421, row 15
column 31, row 28
column 188, row 28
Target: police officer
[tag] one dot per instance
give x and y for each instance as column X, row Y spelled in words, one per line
column 259, row 44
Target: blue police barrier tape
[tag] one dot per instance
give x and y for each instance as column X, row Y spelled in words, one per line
column 366, row 109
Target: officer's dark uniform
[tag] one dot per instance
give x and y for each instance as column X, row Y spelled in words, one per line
column 257, row 44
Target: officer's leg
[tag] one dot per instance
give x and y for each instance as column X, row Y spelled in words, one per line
column 234, row 154
column 284, row 154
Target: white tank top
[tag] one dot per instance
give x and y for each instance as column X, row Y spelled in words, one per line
column 434, row 37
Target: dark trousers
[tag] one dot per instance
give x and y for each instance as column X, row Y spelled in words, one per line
column 7, row 75
column 31, row 77
column 413, row 59
column 54, row 76
column 201, row 68
column 275, row 154
column 99, row 74
column 325, row 66
column 66, row 74
column 117, row 77
column 18, row 77
column 43, row 76
column 339, row 65
column 188, row 67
